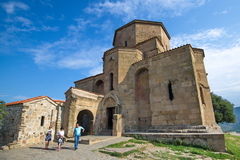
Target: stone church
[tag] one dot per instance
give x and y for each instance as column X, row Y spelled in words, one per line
column 145, row 87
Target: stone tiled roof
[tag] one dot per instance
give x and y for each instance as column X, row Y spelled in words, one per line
column 88, row 77
column 31, row 99
column 59, row 101
column 134, row 47
column 141, row 22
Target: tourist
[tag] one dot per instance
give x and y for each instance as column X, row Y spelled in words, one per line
column 61, row 137
column 77, row 135
column 48, row 138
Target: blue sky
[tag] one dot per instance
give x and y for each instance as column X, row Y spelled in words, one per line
column 46, row 45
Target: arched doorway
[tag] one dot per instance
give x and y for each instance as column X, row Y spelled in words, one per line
column 112, row 105
column 85, row 119
column 110, row 113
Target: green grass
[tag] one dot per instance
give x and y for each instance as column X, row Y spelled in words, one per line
column 129, row 145
column 232, row 145
column 138, row 141
column 163, row 155
column 117, row 145
column 125, row 145
column 114, row 154
column 196, row 151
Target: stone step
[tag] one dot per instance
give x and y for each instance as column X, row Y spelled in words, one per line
column 105, row 132
column 90, row 139
column 179, row 127
column 177, row 130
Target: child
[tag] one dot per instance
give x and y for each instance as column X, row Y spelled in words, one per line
column 60, row 135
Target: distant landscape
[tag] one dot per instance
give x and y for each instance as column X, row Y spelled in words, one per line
column 232, row 127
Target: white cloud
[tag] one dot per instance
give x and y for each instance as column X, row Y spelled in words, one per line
column 16, row 29
column 199, row 38
column 67, row 53
column 96, row 70
column 130, row 9
column 47, row 28
column 62, row 17
column 105, row 26
column 25, row 22
column 75, row 61
column 81, row 25
column 10, row 7
column 223, row 64
column 223, row 12
column 27, row 27
column 42, row 55
column 50, row 17
column 46, row 3
column 20, row 97
column 3, row 95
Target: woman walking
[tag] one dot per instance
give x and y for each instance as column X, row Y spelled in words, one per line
column 48, row 137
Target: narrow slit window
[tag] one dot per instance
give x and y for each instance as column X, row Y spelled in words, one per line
column 171, row 97
column 201, row 94
column 42, row 121
column 111, row 82
column 125, row 43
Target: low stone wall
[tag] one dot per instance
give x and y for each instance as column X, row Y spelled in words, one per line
column 213, row 140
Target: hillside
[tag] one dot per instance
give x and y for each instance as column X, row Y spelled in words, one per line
column 233, row 127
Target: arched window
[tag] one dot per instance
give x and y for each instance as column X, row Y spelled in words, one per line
column 111, row 81
column 142, row 85
column 99, row 87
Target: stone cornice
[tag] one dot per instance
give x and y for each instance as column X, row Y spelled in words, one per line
column 141, row 22
column 117, row 49
column 93, row 77
column 82, row 93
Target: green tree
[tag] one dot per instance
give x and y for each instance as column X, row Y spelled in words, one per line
column 223, row 109
column 2, row 111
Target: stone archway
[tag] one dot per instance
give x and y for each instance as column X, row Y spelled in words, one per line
column 112, row 106
column 85, row 119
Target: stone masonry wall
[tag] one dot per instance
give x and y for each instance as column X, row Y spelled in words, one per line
column 77, row 101
column 126, row 34
column 110, row 67
column 31, row 130
column 88, row 84
column 213, row 141
column 12, row 120
column 130, row 35
column 203, row 88
column 145, row 31
column 174, row 66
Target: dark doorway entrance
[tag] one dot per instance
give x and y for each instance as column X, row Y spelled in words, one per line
column 110, row 112
column 85, row 119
